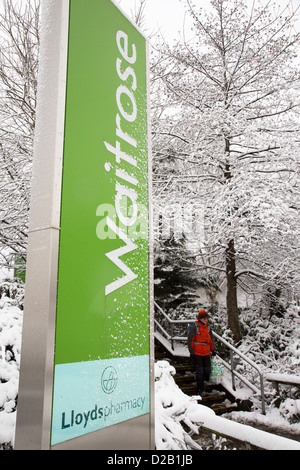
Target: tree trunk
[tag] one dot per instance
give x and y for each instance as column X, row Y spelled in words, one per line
column 231, row 294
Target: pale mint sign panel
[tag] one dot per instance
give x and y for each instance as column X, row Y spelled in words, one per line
column 101, row 374
column 97, row 394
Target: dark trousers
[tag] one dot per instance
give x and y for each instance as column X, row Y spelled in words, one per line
column 202, row 369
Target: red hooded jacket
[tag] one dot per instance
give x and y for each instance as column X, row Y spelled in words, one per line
column 200, row 341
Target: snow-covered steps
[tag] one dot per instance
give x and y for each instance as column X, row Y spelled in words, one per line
column 214, row 396
column 217, row 399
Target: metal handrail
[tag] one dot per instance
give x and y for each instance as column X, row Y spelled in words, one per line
column 231, row 348
column 251, row 363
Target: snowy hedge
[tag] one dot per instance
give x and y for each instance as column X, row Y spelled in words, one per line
column 11, row 317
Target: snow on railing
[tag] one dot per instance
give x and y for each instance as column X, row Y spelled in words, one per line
column 284, row 378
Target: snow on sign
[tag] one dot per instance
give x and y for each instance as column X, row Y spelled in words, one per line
column 101, row 370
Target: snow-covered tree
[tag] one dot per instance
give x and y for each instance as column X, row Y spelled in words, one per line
column 228, row 139
column 175, row 283
column 19, row 29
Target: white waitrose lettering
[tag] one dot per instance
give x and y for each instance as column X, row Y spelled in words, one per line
column 126, row 185
column 114, row 256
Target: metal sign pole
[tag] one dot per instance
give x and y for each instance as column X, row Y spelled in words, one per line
column 36, row 370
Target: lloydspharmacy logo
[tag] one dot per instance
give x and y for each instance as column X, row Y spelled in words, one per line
column 109, row 410
column 109, row 380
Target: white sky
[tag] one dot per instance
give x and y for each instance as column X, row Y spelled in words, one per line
column 164, row 15
column 169, row 15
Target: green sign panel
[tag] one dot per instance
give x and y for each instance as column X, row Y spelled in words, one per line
column 101, row 374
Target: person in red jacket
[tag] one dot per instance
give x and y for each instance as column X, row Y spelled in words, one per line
column 200, row 346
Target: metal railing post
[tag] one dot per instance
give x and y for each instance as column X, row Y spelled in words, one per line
column 232, row 370
column 172, row 336
column 262, row 393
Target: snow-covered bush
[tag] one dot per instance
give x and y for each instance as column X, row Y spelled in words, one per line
column 273, row 343
column 171, row 411
column 290, row 410
column 13, row 289
column 11, row 317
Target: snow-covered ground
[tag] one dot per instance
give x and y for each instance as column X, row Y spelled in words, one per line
column 178, row 417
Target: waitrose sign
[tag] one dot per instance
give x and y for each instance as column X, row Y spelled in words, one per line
column 101, row 371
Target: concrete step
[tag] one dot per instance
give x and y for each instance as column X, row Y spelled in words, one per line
column 218, row 403
column 184, row 368
column 183, row 380
column 221, row 408
column 212, row 400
